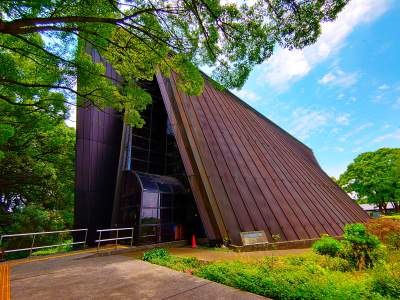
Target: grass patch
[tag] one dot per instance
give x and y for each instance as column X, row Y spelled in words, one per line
column 395, row 217
column 307, row 276
column 41, row 252
column 160, row 256
column 54, row 250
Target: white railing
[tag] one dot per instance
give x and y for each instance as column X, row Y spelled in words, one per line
column 34, row 234
column 116, row 238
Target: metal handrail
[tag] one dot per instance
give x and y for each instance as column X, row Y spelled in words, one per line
column 34, row 234
column 115, row 229
column 116, row 239
column 41, row 232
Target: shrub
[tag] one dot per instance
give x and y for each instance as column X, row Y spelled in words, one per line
column 178, row 263
column 156, row 253
column 336, row 264
column 395, row 216
column 393, row 240
column 162, row 257
column 309, row 276
column 327, row 246
column 295, row 260
column 387, row 229
column 360, row 248
column 386, row 281
column 290, row 282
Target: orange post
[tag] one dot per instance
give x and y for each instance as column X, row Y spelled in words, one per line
column 194, row 245
column 4, row 281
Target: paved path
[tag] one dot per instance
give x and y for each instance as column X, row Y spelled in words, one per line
column 111, row 277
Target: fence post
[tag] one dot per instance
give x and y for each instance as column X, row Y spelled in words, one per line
column 132, row 238
column 33, row 242
column 84, row 244
column 116, row 240
column 98, row 243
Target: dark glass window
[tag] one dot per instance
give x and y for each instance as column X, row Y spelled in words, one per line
column 166, row 215
column 168, row 232
column 166, row 200
column 140, row 142
column 148, row 183
column 150, row 200
column 149, row 230
column 150, row 216
column 139, row 153
column 139, row 165
column 164, row 187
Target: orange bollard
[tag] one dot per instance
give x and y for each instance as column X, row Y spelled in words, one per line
column 4, row 281
column 194, row 245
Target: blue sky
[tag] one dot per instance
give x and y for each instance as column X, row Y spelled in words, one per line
column 340, row 96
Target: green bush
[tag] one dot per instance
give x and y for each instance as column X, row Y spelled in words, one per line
column 291, row 282
column 161, row 256
column 295, row 260
column 156, row 253
column 336, row 264
column 386, row 281
column 360, row 248
column 327, row 246
column 393, row 240
column 309, row 276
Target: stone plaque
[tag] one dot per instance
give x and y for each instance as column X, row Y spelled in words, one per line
column 253, row 237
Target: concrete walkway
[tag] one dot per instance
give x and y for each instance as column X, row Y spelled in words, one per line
column 111, row 277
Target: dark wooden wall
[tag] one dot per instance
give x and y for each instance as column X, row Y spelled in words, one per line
column 98, row 138
column 248, row 174
column 245, row 172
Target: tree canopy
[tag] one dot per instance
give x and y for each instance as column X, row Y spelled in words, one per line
column 36, row 169
column 45, row 68
column 139, row 38
column 36, row 147
column 375, row 177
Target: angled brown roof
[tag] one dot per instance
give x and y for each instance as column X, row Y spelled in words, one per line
column 248, row 174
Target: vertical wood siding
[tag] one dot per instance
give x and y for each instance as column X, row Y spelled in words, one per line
column 98, row 138
column 251, row 174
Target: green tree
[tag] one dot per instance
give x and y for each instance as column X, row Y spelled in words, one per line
column 374, row 176
column 36, row 167
column 139, row 38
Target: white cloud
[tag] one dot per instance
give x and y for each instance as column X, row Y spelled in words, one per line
column 353, row 99
column 287, row 66
column 357, row 149
column 395, row 135
column 333, row 149
column 335, row 130
column 355, row 131
column 343, row 119
column 327, row 78
column 247, row 95
column 339, row 78
column 396, row 104
column 384, row 87
column 306, row 122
